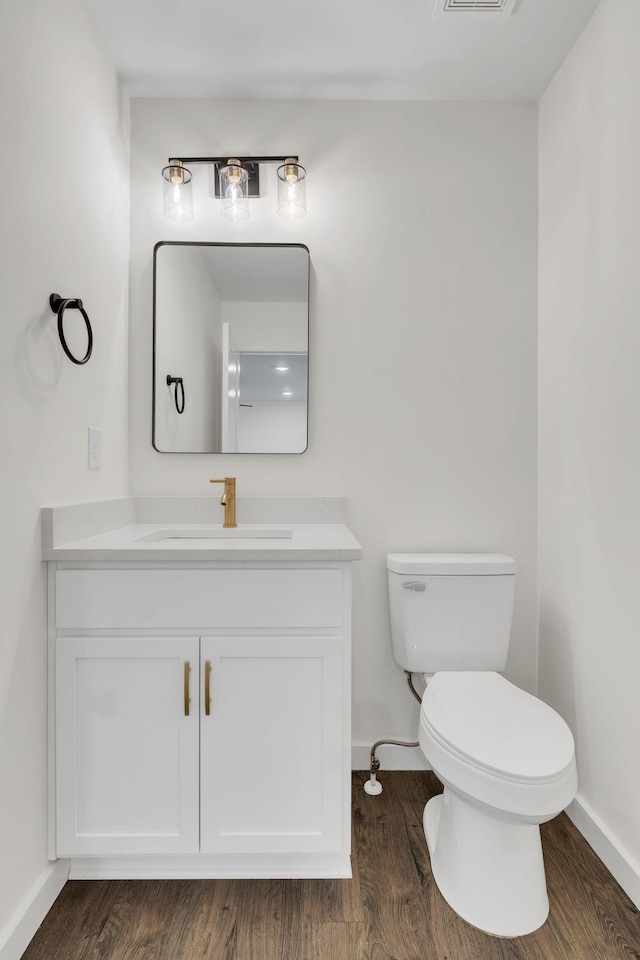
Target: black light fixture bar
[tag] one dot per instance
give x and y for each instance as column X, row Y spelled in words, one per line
column 243, row 160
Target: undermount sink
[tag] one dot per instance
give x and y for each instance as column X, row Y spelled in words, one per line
column 218, row 533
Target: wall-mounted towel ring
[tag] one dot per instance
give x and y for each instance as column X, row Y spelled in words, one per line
column 179, row 386
column 59, row 305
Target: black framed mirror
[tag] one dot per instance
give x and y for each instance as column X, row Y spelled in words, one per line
column 230, row 347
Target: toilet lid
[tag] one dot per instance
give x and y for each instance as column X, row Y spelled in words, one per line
column 494, row 724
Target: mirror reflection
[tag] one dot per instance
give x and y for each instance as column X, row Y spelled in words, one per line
column 230, row 348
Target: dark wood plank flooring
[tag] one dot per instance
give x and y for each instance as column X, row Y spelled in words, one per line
column 390, row 910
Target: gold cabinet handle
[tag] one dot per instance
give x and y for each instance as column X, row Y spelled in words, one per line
column 207, row 688
column 187, row 698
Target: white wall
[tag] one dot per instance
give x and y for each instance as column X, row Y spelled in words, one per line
column 188, row 345
column 64, row 228
column 589, row 457
column 423, row 337
column 268, row 326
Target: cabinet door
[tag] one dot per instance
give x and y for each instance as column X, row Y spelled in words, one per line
column 127, row 745
column 272, row 759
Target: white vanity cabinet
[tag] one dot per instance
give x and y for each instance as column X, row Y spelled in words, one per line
column 200, row 719
column 127, row 745
column 269, row 778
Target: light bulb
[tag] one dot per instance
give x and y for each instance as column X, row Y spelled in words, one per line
column 176, row 183
column 234, row 191
column 291, row 190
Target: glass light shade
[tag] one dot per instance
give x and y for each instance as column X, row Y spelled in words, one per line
column 292, row 190
column 176, row 183
column 234, row 191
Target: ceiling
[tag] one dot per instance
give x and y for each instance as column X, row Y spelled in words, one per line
column 279, row 378
column 257, row 273
column 330, row 49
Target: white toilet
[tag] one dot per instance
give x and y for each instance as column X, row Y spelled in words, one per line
column 505, row 758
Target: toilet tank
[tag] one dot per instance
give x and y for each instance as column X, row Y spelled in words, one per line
column 450, row 611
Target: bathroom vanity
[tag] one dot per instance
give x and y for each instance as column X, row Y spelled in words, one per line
column 200, row 701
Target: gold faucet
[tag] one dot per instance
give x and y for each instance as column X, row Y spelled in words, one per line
column 228, row 500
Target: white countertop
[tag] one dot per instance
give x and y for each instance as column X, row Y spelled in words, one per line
column 312, row 541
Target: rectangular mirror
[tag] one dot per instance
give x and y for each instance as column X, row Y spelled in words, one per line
column 230, row 347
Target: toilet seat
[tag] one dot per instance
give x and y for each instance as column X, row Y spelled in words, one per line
column 486, row 721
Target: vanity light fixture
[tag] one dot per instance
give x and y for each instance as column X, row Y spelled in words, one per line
column 292, row 189
column 176, row 183
column 236, row 179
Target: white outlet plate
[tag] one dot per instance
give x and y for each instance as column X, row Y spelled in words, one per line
column 95, row 448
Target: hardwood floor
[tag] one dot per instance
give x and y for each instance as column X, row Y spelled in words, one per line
column 391, row 910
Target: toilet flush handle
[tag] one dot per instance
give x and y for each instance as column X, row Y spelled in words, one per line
column 416, row 585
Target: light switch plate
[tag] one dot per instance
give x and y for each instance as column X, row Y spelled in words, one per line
column 95, row 448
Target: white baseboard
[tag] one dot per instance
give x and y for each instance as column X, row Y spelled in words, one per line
column 34, row 908
column 625, row 870
column 390, row 757
column 200, row 866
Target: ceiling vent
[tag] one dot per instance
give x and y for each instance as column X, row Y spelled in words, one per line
column 477, row 10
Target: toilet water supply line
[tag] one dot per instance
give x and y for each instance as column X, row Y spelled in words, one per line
column 373, row 786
